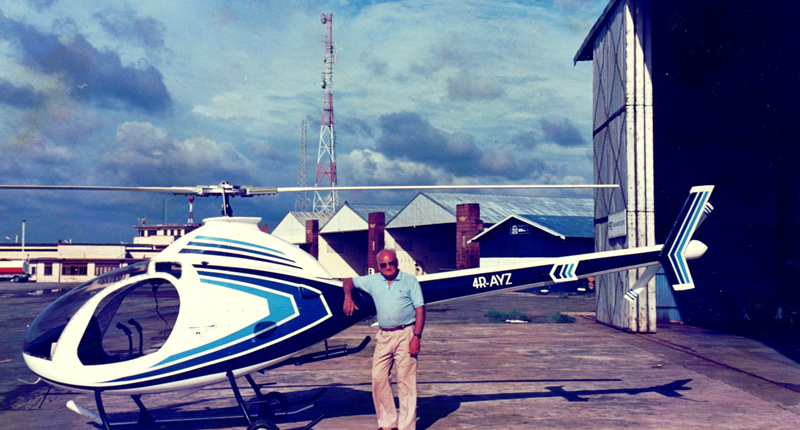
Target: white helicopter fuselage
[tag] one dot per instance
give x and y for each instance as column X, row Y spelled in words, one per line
column 227, row 291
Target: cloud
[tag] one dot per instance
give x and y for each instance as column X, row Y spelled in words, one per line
column 524, row 140
column 42, row 5
column 127, row 25
column 88, row 73
column 406, row 136
column 145, row 155
column 357, row 127
column 365, row 166
column 24, row 96
column 562, row 133
column 467, row 88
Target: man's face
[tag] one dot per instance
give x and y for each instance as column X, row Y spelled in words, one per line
column 387, row 264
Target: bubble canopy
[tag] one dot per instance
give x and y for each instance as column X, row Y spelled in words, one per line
column 48, row 326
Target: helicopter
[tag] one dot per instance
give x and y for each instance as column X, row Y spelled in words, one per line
column 227, row 300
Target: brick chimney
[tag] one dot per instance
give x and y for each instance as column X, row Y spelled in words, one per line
column 468, row 225
column 375, row 237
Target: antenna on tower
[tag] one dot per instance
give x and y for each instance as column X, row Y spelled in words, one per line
column 301, row 200
column 326, row 156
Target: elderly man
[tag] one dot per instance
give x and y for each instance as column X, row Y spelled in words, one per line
column 401, row 316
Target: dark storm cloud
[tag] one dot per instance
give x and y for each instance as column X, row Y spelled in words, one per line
column 356, row 127
column 20, row 96
column 406, row 136
column 562, row 133
column 90, row 74
column 127, row 25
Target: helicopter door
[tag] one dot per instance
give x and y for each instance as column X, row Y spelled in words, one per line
column 130, row 323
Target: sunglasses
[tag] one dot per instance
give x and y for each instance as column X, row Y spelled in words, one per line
column 391, row 263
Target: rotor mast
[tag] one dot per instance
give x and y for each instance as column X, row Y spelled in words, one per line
column 326, row 155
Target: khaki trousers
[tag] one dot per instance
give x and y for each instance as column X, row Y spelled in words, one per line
column 392, row 348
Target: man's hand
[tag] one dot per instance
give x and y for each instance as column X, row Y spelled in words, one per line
column 349, row 305
column 413, row 346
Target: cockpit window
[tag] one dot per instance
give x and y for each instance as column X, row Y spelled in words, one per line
column 47, row 327
column 132, row 322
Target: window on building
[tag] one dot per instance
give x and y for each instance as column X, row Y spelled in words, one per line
column 33, row 270
column 100, row 269
column 74, row 269
column 48, row 269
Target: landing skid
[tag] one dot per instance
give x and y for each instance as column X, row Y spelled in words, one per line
column 271, row 405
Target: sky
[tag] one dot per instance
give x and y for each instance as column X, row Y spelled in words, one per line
column 179, row 93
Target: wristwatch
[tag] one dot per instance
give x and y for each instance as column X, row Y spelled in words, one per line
column 418, row 335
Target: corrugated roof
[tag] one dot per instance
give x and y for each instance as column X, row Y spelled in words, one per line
column 440, row 208
column 585, row 52
column 363, row 210
column 302, row 217
column 355, row 217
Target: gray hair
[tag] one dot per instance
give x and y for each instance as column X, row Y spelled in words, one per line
column 378, row 256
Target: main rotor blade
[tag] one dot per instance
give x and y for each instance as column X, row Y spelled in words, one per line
column 199, row 190
column 249, row 190
column 440, row 187
column 174, row 190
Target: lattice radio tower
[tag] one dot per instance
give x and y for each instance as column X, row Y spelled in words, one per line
column 301, row 201
column 325, row 202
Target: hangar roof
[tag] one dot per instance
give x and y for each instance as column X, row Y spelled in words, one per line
column 440, row 208
column 561, row 226
column 585, row 52
column 292, row 227
column 355, row 217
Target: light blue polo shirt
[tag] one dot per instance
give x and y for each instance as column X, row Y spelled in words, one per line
column 396, row 304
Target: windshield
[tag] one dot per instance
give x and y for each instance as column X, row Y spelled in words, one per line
column 131, row 322
column 47, row 327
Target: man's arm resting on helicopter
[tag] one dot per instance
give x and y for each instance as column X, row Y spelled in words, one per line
column 349, row 304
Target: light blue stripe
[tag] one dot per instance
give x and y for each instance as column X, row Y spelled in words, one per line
column 235, row 248
column 219, row 239
column 278, row 313
column 684, row 235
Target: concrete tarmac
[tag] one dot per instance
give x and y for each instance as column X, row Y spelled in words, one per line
column 473, row 374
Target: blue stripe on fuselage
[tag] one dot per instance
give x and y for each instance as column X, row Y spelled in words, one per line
column 236, row 248
column 311, row 311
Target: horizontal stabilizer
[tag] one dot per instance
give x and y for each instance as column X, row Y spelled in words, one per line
column 632, row 295
column 642, row 282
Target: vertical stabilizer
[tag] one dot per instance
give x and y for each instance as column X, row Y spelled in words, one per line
column 673, row 254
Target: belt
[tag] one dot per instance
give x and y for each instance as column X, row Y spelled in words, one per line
column 400, row 327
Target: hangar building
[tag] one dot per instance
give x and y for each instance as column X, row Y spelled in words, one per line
column 700, row 93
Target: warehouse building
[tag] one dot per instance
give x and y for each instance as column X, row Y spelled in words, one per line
column 693, row 93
